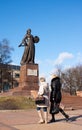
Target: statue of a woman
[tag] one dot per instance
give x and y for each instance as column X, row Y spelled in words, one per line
column 29, row 52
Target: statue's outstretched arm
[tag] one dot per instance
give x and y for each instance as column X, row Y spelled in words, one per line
column 23, row 43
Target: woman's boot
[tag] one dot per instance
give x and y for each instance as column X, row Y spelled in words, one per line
column 53, row 119
column 64, row 114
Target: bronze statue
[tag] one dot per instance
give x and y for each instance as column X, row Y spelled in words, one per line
column 29, row 52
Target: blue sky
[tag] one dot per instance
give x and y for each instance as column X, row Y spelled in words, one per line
column 58, row 23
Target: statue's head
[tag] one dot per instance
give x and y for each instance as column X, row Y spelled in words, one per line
column 29, row 31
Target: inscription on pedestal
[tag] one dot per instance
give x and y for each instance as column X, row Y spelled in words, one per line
column 31, row 72
column 29, row 77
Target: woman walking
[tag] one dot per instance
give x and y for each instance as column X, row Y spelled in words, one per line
column 55, row 98
column 42, row 109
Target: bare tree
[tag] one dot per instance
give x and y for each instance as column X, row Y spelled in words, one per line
column 5, row 52
column 72, row 79
column 5, row 58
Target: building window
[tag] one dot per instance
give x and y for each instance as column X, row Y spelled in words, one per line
column 17, row 75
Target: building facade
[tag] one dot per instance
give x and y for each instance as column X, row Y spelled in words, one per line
column 9, row 76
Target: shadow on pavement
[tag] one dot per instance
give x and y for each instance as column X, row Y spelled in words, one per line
column 74, row 118
column 71, row 119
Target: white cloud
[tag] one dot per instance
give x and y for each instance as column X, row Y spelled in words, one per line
column 64, row 61
column 63, row 56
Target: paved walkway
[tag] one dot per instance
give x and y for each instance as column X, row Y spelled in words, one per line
column 27, row 120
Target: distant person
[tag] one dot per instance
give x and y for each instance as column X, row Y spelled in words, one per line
column 55, row 97
column 29, row 52
column 43, row 109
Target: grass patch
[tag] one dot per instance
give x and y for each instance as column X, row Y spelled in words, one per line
column 15, row 103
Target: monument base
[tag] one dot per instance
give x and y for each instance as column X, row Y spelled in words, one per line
column 29, row 77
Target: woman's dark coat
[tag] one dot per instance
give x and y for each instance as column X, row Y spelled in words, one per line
column 55, row 96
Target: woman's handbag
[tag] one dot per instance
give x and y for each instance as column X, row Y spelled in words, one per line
column 54, row 109
column 40, row 100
